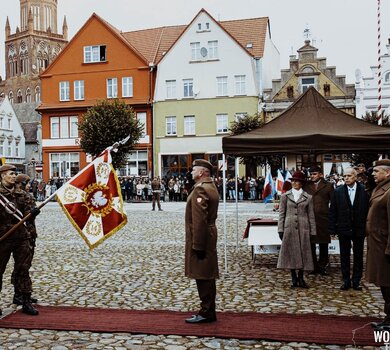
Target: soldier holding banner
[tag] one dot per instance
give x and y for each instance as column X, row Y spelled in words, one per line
column 14, row 205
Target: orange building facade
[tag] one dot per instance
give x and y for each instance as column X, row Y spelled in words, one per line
column 98, row 63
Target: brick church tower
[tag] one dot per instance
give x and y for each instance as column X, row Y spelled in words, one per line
column 28, row 51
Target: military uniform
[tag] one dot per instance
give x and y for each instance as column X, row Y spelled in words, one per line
column 18, row 243
column 156, row 191
column 201, row 262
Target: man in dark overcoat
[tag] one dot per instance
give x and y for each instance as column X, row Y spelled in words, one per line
column 378, row 237
column 15, row 204
column 347, row 219
column 322, row 192
column 201, row 261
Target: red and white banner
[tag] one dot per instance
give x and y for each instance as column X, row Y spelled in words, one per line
column 93, row 202
column 279, row 182
column 287, row 182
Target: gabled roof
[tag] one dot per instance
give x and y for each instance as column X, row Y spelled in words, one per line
column 310, row 125
column 153, row 43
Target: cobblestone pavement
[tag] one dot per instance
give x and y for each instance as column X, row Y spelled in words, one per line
column 126, row 272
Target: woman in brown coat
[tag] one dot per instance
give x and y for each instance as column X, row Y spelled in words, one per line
column 295, row 226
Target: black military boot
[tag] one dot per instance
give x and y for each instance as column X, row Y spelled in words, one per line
column 301, row 281
column 18, row 300
column 27, row 306
column 294, row 279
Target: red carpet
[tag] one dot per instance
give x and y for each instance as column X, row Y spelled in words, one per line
column 308, row 328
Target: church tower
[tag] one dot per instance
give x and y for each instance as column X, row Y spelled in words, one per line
column 30, row 49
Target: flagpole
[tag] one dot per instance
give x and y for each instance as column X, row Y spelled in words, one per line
column 112, row 148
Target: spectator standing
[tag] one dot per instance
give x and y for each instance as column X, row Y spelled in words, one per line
column 378, row 237
column 347, row 219
column 296, row 225
column 322, row 192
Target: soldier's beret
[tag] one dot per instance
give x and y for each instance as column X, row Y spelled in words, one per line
column 22, row 178
column 7, row 167
column 315, row 169
column 385, row 162
column 204, row 163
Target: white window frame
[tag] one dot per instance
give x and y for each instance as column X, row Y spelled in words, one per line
column 92, row 54
column 73, row 127
column 222, row 123
column 64, row 127
column 240, row 84
column 213, row 49
column 170, row 126
column 54, row 127
column 17, row 148
column 170, row 88
column 127, row 87
column 386, row 78
column 78, row 90
column 305, row 86
column 141, row 116
column 189, row 125
column 112, row 87
column 195, row 51
column 222, row 86
column 188, row 88
column 64, row 91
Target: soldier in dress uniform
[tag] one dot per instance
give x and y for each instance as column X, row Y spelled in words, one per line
column 14, row 205
column 21, row 182
column 322, row 193
column 378, row 237
column 201, row 261
column 156, row 192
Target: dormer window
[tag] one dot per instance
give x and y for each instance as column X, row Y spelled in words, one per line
column 207, row 25
column 199, row 26
column 306, row 83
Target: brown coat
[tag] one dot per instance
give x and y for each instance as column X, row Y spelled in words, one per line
column 297, row 223
column 322, row 196
column 378, row 236
column 201, row 232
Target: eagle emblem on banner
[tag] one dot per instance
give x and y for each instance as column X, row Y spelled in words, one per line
column 93, row 202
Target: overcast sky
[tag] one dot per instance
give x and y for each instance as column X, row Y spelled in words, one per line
column 344, row 31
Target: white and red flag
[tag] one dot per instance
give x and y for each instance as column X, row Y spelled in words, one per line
column 269, row 188
column 279, row 182
column 93, row 202
column 287, row 182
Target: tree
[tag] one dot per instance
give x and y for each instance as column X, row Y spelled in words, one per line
column 106, row 123
column 369, row 158
column 246, row 124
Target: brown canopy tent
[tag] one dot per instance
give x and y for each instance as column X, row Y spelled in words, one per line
column 310, row 125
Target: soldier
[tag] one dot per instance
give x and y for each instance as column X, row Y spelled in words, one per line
column 14, row 205
column 156, row 191
column 201, row 261
column 21, row 183
column 322, row 193
column 378, row 237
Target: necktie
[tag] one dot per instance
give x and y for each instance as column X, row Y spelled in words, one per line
column 351, row 194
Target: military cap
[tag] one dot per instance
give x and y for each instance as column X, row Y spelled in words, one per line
column 22, row 178
column 385, row 162
column 316, row 169
column 7, row 167
column 204, row 163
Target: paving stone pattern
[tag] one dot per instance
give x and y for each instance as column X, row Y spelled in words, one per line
column 141, row 267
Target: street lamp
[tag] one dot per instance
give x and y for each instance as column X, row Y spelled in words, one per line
column 33, row 163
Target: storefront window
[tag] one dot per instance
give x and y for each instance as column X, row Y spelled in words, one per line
column 137, row 164
column 64, row 165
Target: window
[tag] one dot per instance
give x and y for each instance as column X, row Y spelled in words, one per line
column 171, row 88
column 195, row 51
column 213, row 49
column 222, row 123
column 64, row 91
column 306, row 83
column 37, row 94
column 222, row 86
column 79, row 90
column 9, row 148
column 64, row 164
column 94, row 54
column 64, row 127
column 386, row 77
column 188, row 88
column 142, row 119
column 127, row 87
column 9, row 123
column 112, row 88
column 137, row 164
column 28, row 95
column 11, row 97
column 17, row 148
column 170, row 126
column 189, row 125
column 239, row 83
column 19, row 96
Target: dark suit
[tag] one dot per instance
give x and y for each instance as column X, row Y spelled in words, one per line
column 348, row 221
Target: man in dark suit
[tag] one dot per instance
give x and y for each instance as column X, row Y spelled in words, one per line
column 201, row 261
column 347, row 219
column 322, row 192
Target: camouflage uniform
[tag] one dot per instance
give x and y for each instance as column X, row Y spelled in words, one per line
column 19, row 243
